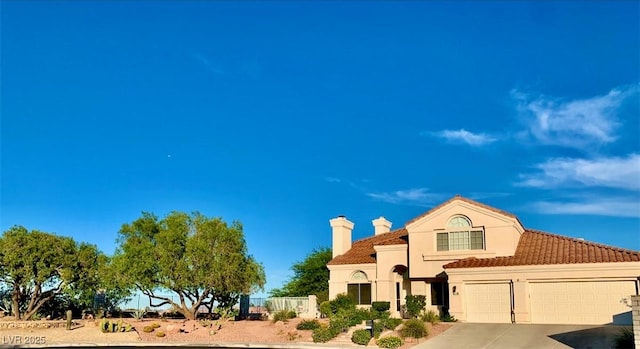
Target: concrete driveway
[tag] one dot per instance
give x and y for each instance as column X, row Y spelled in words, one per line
column 521, row 336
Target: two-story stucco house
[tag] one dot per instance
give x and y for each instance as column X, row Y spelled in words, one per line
column 483, row 265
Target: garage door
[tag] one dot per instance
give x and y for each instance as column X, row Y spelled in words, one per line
column 585, row 302
column 488, row 303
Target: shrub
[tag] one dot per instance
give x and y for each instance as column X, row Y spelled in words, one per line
column 389, row 342
column 148, row 329
column 160, row 334
column 414, row 328
column 415, row 304
column 624, row 339
column 155, row 325
column 357, row 316
column 325, row 308
column 361, row 337
column 308, row 325
column 391, row 323
column 430, row 316
column 381, row 306
column 448, row 318
column 284, row 315
column 378, row 327
column 340, row 322
column 323, row 334
column 342, row 302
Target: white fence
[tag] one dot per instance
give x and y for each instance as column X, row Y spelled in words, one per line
column 305, row 307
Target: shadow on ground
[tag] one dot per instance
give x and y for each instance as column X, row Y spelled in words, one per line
column 590, row 338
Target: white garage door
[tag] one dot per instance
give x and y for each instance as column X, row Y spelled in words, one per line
column 488, row 303
column 584, row 302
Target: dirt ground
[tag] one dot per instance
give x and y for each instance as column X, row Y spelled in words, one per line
column 183, row 331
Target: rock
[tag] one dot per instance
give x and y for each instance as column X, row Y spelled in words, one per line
column 279, row 323
column 171, row 328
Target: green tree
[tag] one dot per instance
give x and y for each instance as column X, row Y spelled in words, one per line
column 37, row 267
column 310, row 277
column 199, row 259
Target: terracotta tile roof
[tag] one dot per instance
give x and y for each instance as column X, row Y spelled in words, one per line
column 538, row 248
column 469, row 201
column 362, row 251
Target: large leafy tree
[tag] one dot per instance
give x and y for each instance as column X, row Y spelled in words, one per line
column 310, row 277
column 36, row 267
column 199, row 259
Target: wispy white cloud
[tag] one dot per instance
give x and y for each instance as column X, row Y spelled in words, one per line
column 610, row 172
column 464, row 136
column 604, row 206
column 574, row 123
column 333, row 179
column 414, row 196
column 210, row 66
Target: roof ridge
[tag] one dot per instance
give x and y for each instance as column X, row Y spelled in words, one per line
column 383, row 236
column 467, row 200
column 586, row 242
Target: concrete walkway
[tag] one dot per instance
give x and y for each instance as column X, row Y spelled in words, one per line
column 523, row 336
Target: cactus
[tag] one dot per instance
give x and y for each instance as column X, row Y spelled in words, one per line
column 104, row 325
column 107, row 326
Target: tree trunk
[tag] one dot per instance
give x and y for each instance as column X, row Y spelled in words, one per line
column 15, row 299
column 189, row 315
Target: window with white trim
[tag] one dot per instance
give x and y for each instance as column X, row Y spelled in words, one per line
column 461, row 235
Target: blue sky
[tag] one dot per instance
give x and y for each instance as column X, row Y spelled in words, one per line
column 284, row 115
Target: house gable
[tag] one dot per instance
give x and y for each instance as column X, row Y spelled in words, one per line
column 438, row 216
column 436, row 236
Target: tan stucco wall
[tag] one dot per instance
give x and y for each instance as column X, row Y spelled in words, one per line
column 340, row 277
column 523, row 275
column 502, row 234
column 388, row 258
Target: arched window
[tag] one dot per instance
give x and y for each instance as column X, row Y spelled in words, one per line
column 460, row 235
column 359, row 275
column 359, row 289
column 459, row 221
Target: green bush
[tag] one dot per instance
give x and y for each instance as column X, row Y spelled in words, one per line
column 430, row 316
column 624, row 339
column 323, row 334
column 147, row 329
column 308, row 325
column 155, row 325
column 325, row 308
column 340, row 322
column 378, row 327
column 160, row 334
column 342, row 302
column 389, row 342
column 284, row 315
column 414, row 328
column 361, row 337
column 381, row 306
column 415, row 304
column 359, row 315
column 391, row 323
column 448, row 318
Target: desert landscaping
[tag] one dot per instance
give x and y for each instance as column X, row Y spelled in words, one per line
column 186, row 331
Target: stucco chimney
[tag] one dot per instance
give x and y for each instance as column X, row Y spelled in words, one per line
column 381, row 225
column 342, row 229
